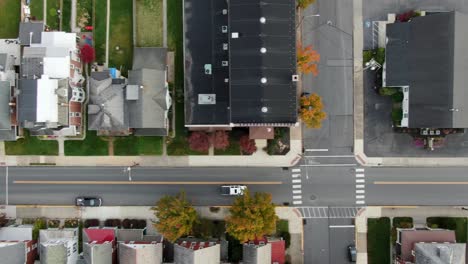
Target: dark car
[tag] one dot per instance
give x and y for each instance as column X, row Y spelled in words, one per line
column 352, row 253
column 88, row 201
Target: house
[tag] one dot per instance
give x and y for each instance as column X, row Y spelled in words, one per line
column 198, row 251
column 58, row 245
column 434, row 253
column 30, row 32
column 264, row 251
column 8, row 123
column 240, row 63
column 17, row 245
column 50, row 93
column 431, row 77
column 410, row 241
column 99, row 245
column 137, row 248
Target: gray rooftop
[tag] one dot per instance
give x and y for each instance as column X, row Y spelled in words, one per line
column 13, row 254
column 97, row 253
column 435, row 73
column 27, row 101
column 5, row 94
column 140, row 253
column 21, row 232
column 53, row 252
column 130, row 234
column 256, row 254
column 207, row 255
column 3, row 61
column 439, row 253
column 25, row 30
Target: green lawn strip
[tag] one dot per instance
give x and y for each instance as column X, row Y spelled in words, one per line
column 149, row 23
column 132, row 145
column 31, row 145
column 92, row 145
column 37, row 9
column 52, row 16
column 9, row 18
column 232, row 149
column 458, row 224
column 282, row 230
column 66, row 14
column 121, row 34
column 207, row 228
column 100, row 13
column 400, row 222
column 378, row 240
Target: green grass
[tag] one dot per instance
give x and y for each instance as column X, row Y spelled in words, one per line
column 91, row 146
column 31, row 145
column 458, row 224
column 100, row 13
column 52, row 16
column 133, row 146
column 66, row 14
column 9, row 18
column 233, row 149
column 282, row 230
column 121, row 34
column 378, row 240
column 37, row 9
column 207, row 228
column 149, row 23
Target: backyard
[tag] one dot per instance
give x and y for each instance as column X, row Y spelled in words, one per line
column 121, row 34
column 92, row 145
column 9, row 18
column 378, row 240
column 66, row 14
column 99, row 23
column 31, row 145
column 458, row 224
column 134, row 146
column 149, row 23
column 84, row 13
column 53, row 19
column 37, row 9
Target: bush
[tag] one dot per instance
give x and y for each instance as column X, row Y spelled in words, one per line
column 234, row 249
column 247, row 145
column 53, row 223
column 126, row 223
column 385, row 91
column 220, row 140
column 214, row 209
column 397, row 97
column 397, row 115
column 141, row 224
column 28, row 221
column 112, row 223
column 39, row 224
column 199, row 141
column 71, row 223
column 91, row 223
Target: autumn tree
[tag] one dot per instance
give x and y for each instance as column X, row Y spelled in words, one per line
column 87, row 54
column 175, row 215
column 304, row 3
column 220, row 140
column 307, row 59
column 251, row 216
column 247, row 145
column 311, row 111
column 199, row 141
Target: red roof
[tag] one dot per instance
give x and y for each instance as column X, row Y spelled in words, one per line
column 100, row 235
column 277, row 251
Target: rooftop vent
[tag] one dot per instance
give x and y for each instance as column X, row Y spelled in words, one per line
column 235, row 35
column 208, row 69
column 224, row 29
column 225, row 63
column 263, row 20
column 264, row 109
column 295, row 78
column 263, row 50
column 206, row 99
column 225, row 46
column 224, row 11
column 263, row 80
column 226, row 80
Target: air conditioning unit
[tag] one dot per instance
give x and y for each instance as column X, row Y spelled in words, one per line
column 235, row 35
column 225, row 63
column 224, row 29
column 295, row 78
column 72, row 66
column 208, row 69
column 225, row 46
column 224, row 11
column 226, row 80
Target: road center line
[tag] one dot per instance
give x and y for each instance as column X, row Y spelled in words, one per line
column 419, row 183
column 146, row 182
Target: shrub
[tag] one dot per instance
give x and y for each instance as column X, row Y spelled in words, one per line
column 247, row 145
column 112, row 222
column 53, row 223
column 39, row 224
column 87, row 54
column 91, row 222
column 126, row 223
column 141, row 224
column 385, row 91
column 397, row 97
column 214, row 209
column 71, row 223
column 28, row 221
column 397, row 115
column 199, row 141
column 220, row 140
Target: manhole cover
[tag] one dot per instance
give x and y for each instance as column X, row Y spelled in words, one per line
column 313, row 197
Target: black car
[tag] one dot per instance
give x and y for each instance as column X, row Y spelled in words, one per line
column 88, row 201
column 352, row 253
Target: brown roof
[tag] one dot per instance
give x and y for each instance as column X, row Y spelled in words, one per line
column 261, row 133
column 411, row 237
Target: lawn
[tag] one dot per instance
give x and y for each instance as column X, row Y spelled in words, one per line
column 37, row 9
column 52, row 16
column 149, row 23
column 100, row 13
column 378, row 240
column 31, row 145
column 207, row 228
column 9, row 18
column 134, row 146
column 66, row 14
column 458, row 224
column 92, row 145
column 121, row 34
column 234, row 147
column 282, row 230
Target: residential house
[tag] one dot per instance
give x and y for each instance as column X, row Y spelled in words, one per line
column 240, row 64
column 17, row 245
column 264, row 251
column 416, row 245
column 8, row 123
column 432, row 77
column 137, row 248
column 99, row 245
column 58, row 245
column 30, row 32
column 198, row 251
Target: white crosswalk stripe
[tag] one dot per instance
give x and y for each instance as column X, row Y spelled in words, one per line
column 296, row 197
column 297, row 186
column 328, row 212
column 297, row 191
column 296, row 170
column 296, row 175
column 297, row 202
column 360, row 191
column 360, row 186
column 360, row 181
column 296, row 181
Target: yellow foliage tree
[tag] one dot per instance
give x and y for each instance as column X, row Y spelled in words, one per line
column 175, row 215
column 311, row 111
column 304, row 3
column 251, row 217
column 307, row 59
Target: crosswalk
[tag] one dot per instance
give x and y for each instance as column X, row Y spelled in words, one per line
column 360, row 186
column 296, row 180
column 328, row 212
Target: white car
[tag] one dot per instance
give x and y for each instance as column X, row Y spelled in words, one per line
column 233, row 189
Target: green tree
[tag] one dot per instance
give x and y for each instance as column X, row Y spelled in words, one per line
column 175, row 215
column 304, row 3
column 251, row 217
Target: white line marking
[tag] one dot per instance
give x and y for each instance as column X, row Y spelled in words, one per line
column 359, row 175
column 360, row 181
column 296, row 186
column 297, row 191
column 330, row 165
column 296, row 175
column 360, row 191
column 331, row 156
column 316, row 150
column 296, row 170
column 296, row 181
column 360, row 202
column 341, row 226
column 360, row 196
column 359, row 170
column 297, row 197
column 360, row 186
column 297, row 202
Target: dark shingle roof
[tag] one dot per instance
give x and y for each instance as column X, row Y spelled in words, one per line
column 25, row 32
column 27, row 100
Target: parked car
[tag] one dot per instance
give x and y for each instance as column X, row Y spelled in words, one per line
column 352, row 253
column 88, row 201
column 233, row 189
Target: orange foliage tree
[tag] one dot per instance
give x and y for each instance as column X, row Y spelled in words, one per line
column 307, row 59
column 311, row 111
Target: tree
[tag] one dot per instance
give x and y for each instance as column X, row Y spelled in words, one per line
column 87, row 54
column 199, row 141
column 175, row 215
column 3, row 220
column 311, row 111
column 220, row 140
column 304, row 3
column 307, row 59
column 247, row 145
column 251, row 217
